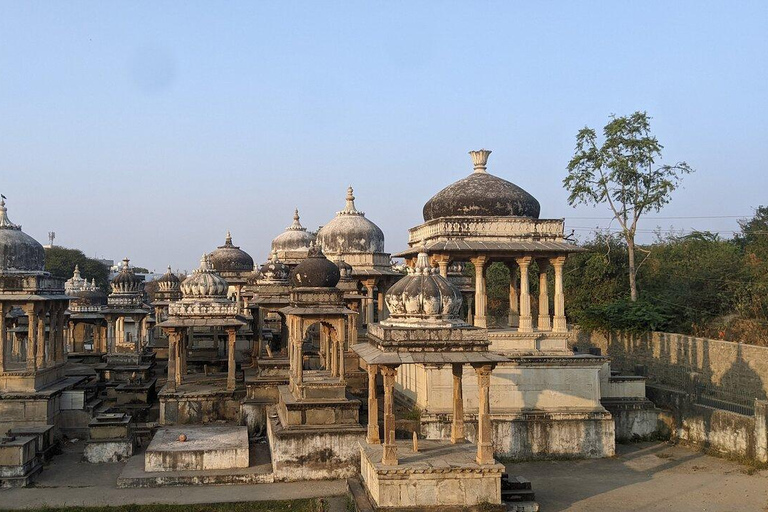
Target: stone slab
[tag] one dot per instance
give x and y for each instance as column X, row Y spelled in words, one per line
column 206, row 448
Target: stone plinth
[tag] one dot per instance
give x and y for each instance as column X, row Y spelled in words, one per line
column 201, row 399
column 331, row 411
column 111, row 438
column 205, row 448
column 440, row 474
column 45, row 439
column 18, row 461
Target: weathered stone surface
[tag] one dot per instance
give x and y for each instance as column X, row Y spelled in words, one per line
column 206, row 447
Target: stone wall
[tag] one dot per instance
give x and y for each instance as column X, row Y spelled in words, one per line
column 671, row 358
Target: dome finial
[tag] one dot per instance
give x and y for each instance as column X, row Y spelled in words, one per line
column 228, row 239
column 350, row 200
column 125, row 263
column 5, row 222
column 296, row 226
column 480, row 159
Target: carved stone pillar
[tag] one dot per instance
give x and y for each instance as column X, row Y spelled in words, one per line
column 481, row 299
column 369, row 306
column 373, row 407
column 181, row 368
column 559, row 323
column 173, row 356
column 457, row 428
column 231, row 365
column 484, row 432
column 3, row 336
column 513, row 319
column 526, row 321
column 544, row 320
column 389, row 452
column 383, row 311
column 42, row 341
column 341, row 334
column 31, row 337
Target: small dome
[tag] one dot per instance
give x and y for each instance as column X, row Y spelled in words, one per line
column 169, row 282
column 126, row 281
column 481, row 195
column 423, row 296
column 228, row 258
column 18, row 250
column 315, row 271
column 294, row 238
column 350, row 232
column 274, row 271
column 345, row 270
column 204, row 282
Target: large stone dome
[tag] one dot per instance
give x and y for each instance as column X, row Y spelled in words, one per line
column 423, row 297
column 481, row 195
column 229, row 258
column 350, row 232
column 18, row 250
column 316, row 271
column 169, row 282
column 273, row 271
column 294, row 238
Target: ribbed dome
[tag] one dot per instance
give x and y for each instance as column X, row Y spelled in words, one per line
column 204, row 282
column 274, row 271
column 483, row 195
column 126, row 281
column 169, row 282
column 423, row 296
column 18, row 250
column 350, row 232
column 315, row 271
column 295, row 237
column 229, row 258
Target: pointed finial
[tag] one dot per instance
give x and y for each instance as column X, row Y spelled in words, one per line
column 350, row 200
column 296, row 226
column 125, row 263
column 228, row 240
column 480, row 159
column 5, row 222
column 296, row 215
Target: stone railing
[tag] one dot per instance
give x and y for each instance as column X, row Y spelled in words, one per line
column 488, row 227
column 228, row 309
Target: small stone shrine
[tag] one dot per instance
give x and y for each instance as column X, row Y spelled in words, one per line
column 424, row 328
column 314, row 429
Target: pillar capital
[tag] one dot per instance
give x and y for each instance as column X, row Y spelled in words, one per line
column 479, row 261
column 524, row 261
column 558, row 261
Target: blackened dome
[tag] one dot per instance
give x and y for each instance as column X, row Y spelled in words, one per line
column 229, row 258
column 481, row 195
column 316, row 271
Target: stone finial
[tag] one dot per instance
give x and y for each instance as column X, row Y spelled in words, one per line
column 125, row 264
column 76, row 273
column 480, row 159
column 228, row 239
column 350, row 207
column 296, row 226
column 5, row 222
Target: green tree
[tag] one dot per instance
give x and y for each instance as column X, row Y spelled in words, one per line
column 623, row 173
column 61, row 262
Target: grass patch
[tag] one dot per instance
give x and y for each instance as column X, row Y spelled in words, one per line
column 308, row 505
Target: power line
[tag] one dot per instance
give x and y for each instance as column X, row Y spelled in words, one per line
column 675, row 217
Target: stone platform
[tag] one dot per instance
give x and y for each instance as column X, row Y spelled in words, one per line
column 440, row 475
column 205, row 448
column 259, row 471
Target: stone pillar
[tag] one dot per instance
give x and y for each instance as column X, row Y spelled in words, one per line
column 484, row 431
column 442, row 261
column 333, row 354
column 559, row 324
column 183, row 346
column 298, row 352
column 341, row 334
column 383, row 311
column 3, row 336
column 481, row 300
column 42, row 341
column 239, row 298
column 470, row 308
column 173, row 347
column 59, row 341
column 526, row 321
column 513, row 319
column 457, row 428
column 231, row 365
column 31, row 337
column 369, row 286
column 373, row 407
column 389, row 452
column 544, row 320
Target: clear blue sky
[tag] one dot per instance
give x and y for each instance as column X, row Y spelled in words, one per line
column 147, row 129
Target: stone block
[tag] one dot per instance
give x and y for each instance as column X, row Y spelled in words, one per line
column 206, row 447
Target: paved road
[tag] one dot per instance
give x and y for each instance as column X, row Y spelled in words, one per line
column 646, row 477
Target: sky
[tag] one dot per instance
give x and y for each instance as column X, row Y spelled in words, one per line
column 148, row 129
